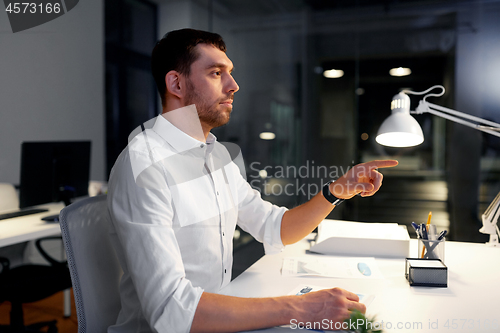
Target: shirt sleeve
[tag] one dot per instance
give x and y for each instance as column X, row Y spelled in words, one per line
column 142, row 216
column 258, row 217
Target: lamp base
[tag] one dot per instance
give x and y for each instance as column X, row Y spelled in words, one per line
column 493, row 241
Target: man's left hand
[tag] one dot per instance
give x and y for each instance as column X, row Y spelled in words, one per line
column 363, row 179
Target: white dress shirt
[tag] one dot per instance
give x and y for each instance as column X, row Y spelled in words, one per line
column 174, row 203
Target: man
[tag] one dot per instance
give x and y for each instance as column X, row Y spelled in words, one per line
column 175, row 197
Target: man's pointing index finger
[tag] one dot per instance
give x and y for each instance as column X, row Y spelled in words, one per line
column 382, row 163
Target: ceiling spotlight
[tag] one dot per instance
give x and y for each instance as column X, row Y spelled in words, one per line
column 360, row 91
column 333, row 73
column 267, row 135
column 400, row 71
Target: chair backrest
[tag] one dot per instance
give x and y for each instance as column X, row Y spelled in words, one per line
column 8, row 197
column 94, row 266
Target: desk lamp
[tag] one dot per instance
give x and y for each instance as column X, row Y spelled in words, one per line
column 400, row 129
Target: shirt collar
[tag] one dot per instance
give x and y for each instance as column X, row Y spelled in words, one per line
column 179, row 140
column 210, row 143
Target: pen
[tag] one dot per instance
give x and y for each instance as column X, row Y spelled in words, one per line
column 415, row 226
column 442, row 234
column 429, row 220
column 425, row 231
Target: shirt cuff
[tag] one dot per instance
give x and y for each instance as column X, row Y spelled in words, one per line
column 272, row 239
column 179, row 311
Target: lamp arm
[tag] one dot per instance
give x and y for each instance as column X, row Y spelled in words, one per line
column 493, row 205
column 493, row 219
column 426, row 107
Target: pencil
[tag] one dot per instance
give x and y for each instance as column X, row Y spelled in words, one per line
column 427, row 226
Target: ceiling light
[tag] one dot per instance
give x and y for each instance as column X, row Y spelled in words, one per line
column 267, row 135
column 333, row 73
column 400, row 71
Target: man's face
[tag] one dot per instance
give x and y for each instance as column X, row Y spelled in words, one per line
column 211, row 87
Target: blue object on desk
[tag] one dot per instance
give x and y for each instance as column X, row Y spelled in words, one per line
column 304, row 290
column 364, row 269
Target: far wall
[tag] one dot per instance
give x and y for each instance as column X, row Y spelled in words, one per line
column 52, row 86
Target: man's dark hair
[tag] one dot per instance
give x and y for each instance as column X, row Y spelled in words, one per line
column 176, row 51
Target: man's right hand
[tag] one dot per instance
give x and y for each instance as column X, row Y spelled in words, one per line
column 220, row 313
column 328, row 305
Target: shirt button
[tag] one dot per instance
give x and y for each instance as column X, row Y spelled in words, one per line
column 223, row 234
column 202, row 145
column 217, row 192
column 225, row 270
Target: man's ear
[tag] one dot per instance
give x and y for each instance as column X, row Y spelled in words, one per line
column 173, row 84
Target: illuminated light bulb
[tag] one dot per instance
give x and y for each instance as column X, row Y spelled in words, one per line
column 333, row 73
column 267, row 135
column 400, row 71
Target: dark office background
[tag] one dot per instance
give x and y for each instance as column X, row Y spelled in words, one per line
column 280, row 49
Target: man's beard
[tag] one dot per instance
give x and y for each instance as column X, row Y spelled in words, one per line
column 207, row 113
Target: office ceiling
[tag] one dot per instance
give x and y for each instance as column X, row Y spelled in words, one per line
column 263, row 7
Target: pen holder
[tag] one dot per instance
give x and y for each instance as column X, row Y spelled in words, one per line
column 431, row 249
column 426, row 272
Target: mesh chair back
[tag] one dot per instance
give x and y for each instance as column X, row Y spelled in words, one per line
column 95, row 270
column 9, row 197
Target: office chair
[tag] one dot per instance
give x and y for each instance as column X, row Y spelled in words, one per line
column 27, row 283
column 30, row 283
column 8, row 195
column 95, row 270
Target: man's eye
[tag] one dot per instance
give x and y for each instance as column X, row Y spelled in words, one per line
column 218, row 73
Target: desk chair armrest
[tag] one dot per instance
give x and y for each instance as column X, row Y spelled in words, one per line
column 45, row 255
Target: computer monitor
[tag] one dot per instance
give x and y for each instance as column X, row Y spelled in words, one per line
column 53, row 171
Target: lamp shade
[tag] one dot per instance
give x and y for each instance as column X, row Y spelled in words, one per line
column 400, row 129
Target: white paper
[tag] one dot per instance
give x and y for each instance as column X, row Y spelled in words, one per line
column 362, row 239
column 351, row 267
column 332, row 228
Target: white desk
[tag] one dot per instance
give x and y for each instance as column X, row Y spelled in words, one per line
column 29, row 227
column 469, row 304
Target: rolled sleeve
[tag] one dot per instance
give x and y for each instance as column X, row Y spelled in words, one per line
column 179, row 312
column 260, row 218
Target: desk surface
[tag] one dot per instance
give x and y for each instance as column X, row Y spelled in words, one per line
column 29, row 227
column 467, row 305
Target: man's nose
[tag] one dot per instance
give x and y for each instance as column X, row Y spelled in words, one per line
column 231, row 85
